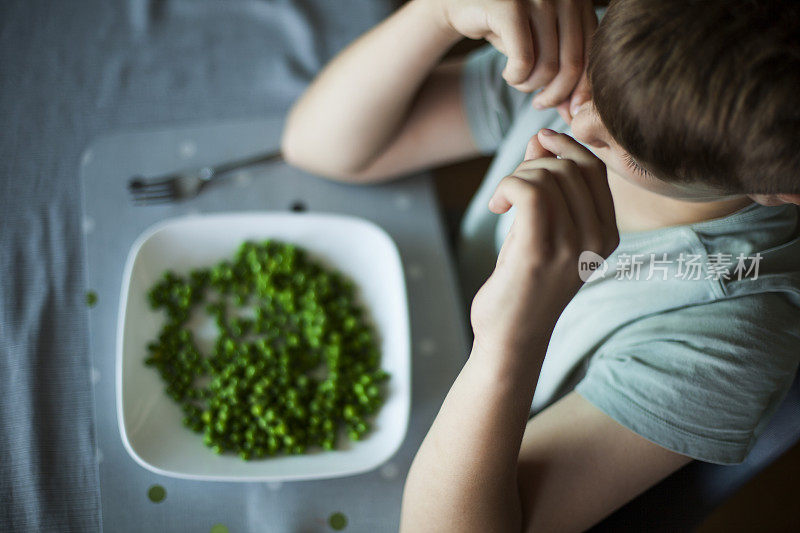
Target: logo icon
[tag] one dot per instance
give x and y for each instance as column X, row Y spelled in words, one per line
column 591, row 266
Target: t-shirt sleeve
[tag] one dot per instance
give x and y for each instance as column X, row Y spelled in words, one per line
column 489, row 102
column 702, row 381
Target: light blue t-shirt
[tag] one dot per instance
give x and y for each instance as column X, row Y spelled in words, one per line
column 691, row 337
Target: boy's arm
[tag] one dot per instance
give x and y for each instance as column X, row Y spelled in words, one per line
column 383, row 107
column 483, row 466
column 354, row 108
column 577, row 465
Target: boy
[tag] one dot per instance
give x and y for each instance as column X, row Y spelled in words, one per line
column 653, row 362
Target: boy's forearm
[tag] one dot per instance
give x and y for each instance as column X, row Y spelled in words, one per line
column 355, row 106
column 464, row 477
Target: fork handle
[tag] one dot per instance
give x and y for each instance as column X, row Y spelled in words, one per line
column 224, row 168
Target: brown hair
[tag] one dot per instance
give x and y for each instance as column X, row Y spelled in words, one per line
column 703, row 90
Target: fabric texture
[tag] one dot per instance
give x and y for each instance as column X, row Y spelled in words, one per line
column 696, row 365
column 492, row 106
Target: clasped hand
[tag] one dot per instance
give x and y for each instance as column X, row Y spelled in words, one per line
column 546, row 42
column 563, row 206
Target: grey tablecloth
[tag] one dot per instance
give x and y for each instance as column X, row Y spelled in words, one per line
column 406, row 209
column 70, row 71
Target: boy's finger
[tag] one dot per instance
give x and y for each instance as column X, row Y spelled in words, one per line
column 535, row 150
column 563, row 110
column 538, row 202
column 580, row 95
column 503, row 197
column 497, row 42
column 577, row 196
column 592, row 168
column 512, row 26
column 531, row 209
column 564, row 146
column 570, row 57
column 543, row 22
column 582, row 92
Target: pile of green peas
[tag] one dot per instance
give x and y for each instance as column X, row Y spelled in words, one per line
column 295, row 362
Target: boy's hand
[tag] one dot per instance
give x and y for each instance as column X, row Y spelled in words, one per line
column 546, row 42
column 562, row 207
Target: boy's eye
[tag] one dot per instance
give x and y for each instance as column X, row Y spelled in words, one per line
column 633, row 165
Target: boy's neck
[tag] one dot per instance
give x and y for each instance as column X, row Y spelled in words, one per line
column 638, row 209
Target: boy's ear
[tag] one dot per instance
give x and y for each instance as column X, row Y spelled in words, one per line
column 776, row 199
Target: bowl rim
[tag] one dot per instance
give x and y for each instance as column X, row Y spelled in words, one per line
column 159, row 226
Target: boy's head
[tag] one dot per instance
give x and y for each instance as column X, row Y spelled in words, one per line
column 702, row 95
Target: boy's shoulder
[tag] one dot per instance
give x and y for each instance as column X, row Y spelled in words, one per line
column 757, row 250
column 679, row 342
column 730, row 253
column 763, row 226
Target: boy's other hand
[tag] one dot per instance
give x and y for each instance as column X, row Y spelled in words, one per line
column 546, row 42
column 563, row 207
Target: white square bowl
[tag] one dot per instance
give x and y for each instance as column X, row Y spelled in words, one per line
column 150, row 422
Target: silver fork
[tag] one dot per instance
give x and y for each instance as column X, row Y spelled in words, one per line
column 186, row 184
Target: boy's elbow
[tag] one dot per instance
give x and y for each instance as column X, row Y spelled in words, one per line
column 299, row 151
column 294, row 148
column 302, row 152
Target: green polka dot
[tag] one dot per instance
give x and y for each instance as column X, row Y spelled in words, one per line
column 219, row 528
column 91, row 298
column 157, row 493
column 337, row 521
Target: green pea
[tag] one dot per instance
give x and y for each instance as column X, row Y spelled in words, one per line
column 156, row 493
column 337, row 521
column 91, row 298
column 260, row 390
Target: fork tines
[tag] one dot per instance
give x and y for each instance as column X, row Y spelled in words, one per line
column 154, row 191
